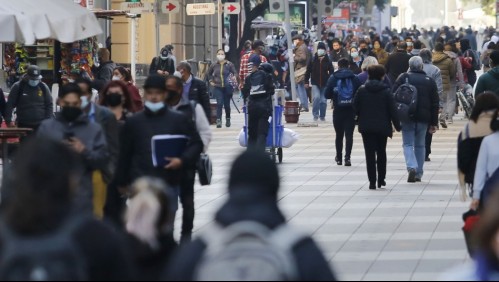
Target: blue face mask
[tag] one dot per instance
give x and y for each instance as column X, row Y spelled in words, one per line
column 84, row 102
column 154, row 107
column 34, row 83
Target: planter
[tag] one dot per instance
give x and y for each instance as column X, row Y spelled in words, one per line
column 292, row 112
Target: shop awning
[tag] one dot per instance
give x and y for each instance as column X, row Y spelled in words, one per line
column 29, row 20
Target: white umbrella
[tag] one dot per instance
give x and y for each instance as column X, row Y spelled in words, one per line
column 55, row 19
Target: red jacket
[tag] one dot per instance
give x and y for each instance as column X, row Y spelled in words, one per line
column 137, row 104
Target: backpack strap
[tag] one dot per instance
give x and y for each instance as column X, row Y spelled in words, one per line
column 285, row 238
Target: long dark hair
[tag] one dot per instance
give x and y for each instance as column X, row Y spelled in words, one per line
column 485, row 102
column 116, row 83
column 125, row 73
column 40, row 188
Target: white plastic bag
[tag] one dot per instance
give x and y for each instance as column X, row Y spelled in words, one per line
column 289, row 138
column 242, row 139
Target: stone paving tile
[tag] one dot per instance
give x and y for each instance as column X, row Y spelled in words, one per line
column 405, row 232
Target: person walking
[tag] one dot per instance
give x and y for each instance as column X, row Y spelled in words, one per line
column 337, row 51
column 375, row 107
column 392, row 46
column 425, row 118
column 398, row 62
column 164, row 64
column 355, row 61
column 471, row 137
column 490, row 80
column 32, row 100
column 433, row 72
column 380, row 52
column 318, row 72
column 341, row 88
column 458, row 83
column 245, row 70
column 257, row 92
column 302, row 58
column 472, row 58
column 195, row 112
column 87, row 139
column 122, row 74
column 485, row 58
column 194, row 88
column 364, row 76
column 116, row 97
column 221, row 76
column 252, row 206
column 417, row 46
column 104, row 72
column 448, row 72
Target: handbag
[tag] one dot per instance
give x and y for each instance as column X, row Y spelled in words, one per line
column 233, row 82
column 205, row 170
column 300, row 75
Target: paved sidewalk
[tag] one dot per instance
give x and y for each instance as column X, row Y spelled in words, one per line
column 405, row 232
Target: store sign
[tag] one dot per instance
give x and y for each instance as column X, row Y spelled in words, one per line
column 170, row 7
column 89, row 4
column 201, row 9
column 137, row 7
column 232, row 8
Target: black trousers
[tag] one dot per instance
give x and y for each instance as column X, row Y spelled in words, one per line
column 187, row 201
column 429, row 140
column 375, row 147
column 344, row 125
column 258, row 126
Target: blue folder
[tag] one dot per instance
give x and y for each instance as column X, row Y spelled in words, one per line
column 167, row 146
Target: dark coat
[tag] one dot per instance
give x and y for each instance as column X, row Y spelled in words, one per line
column 318, row 71
column 338, row 55
column 488, row 82
column 375, row 106
column 428, row 99
column 105, row 72
column 252, row 206
column 3, row 105
column 397, row 64
column 333, row 81
column 199, row 94
column 33, row 105
column 135, row 159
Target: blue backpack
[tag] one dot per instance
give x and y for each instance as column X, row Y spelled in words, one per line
column 344, row 89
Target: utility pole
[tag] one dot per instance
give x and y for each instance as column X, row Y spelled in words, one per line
column 287, row 26
column 220, row 23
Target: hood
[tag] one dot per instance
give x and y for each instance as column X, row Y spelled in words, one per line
column 344, row 73
column 451, row 54
column 375, row 86
column 494, row 72
column 439, row 57
column 415, row 52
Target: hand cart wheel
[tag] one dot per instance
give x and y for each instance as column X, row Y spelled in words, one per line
column 280, row 155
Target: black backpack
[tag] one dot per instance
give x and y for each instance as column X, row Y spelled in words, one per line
column 406, row 100
column 52, row 257
column 22, row 84
column 477, row 65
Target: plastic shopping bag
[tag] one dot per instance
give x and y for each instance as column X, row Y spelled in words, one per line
column 289, row 138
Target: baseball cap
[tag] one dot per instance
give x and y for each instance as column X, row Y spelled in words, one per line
column 34, row 72
column 255, row 60
column 156, row 82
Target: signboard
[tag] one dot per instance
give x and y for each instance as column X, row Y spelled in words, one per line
column 137, row 7
column 232, row 8
column 340, row 19
column 170, row 7
column 298, row 14
column 89, row 4
column 201, row 9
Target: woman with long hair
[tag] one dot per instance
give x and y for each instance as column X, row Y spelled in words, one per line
column 123, row 74
column 117, row 98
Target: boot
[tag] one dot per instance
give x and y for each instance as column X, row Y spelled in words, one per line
column 219, row 123
column 228, row 123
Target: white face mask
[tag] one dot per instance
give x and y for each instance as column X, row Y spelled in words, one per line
column 84, row 102
column 178, row 74
column 220, row 57
column 321, row 52
column 116, row 78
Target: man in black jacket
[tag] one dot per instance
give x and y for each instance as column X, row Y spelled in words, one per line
column 135, row 158
column 194, row 88
column 414, row 132
column 105, row 70
column 252, row 198
column 398, row 62
column 32, row 100
column 258, row 90
column 318, row 72
column 338, row 52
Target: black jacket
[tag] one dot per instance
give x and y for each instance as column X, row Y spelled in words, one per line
column 397, row 63
column 105, row 71
column 164, row 65
column 319, row 70
column 33, row 105
column 375, row 106
column 199, row 94
column 135, row 159
column 428, row 99
column 333, row 81
column 251, row 205
column 340, row 54
column 3, row 105
column 259, row 81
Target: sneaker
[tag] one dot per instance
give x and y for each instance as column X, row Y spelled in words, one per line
column 427, row 159
column 348, row 162
column 443, row 124
column 219, row 123
column 338, row 161
column 412, row 176
column 228, row 123
column 323, row 119
column 316, row 119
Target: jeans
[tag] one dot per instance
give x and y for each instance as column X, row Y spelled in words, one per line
column 320, row 102
column 223, row 96
column 414, row 140
column 344, row 125
column 302, row 94
column 375, row 147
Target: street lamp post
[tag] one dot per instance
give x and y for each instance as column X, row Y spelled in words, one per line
column 287, row 27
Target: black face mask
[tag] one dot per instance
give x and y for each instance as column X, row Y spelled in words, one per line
column 71, row 113
column 113, row 100
column 172, row 96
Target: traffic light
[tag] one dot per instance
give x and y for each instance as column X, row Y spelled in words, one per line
column 328, row 7
column 276, row 6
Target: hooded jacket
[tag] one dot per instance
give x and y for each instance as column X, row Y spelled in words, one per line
column 333, row 82
column 319, row 70
column 253, row 197
column 33, row 105
column 375, row 106
column 447, row 69
column 95, row 155
column 428, row 100
column 488, row 82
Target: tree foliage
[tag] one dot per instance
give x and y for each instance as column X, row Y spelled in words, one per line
column 488, row 6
